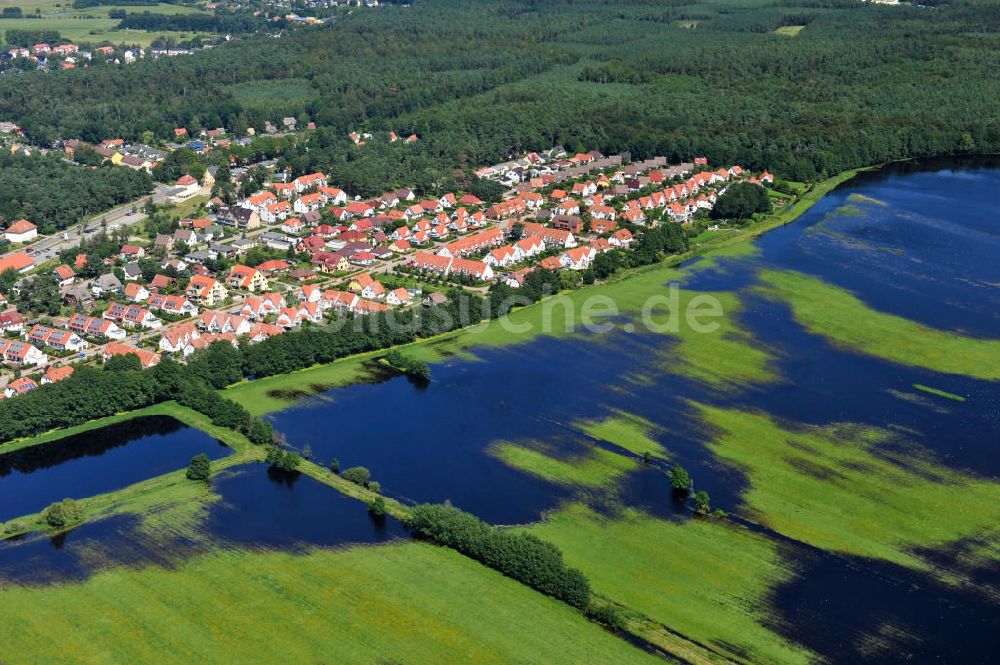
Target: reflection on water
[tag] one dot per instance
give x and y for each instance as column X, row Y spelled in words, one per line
column 98, row 461
column 255, row 509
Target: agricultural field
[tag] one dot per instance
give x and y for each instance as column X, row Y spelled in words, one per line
column 90, row 25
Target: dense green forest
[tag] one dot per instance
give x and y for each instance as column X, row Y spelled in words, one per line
column 54, row 195
column 479, row 80
column 221, row 22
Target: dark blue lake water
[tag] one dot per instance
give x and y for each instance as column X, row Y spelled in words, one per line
column 98, row 461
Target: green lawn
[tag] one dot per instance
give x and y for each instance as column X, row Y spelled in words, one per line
column 845, row 320
column 65, row 8
column 841, row 488
column 266, row 94
column 404, row 603
column 702, row 577
column 278, row 392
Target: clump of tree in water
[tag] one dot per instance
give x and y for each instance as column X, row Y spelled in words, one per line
column 681, row 483
column 377, row 507
column 407, row 365
column 283, row 460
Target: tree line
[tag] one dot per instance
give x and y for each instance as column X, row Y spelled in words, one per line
column 521, row 556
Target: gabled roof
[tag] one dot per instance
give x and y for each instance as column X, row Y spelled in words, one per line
column 21, row 226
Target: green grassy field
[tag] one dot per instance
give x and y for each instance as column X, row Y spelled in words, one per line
column 91, row 24
column 266, row 94
column 278, row 392
column 845, row 320
column 843, row 489
column 93, row 30
column 702, row 577
column 65, row 8
column 405, row 603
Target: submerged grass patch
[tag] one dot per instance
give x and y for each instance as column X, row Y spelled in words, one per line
column 626, row 431
column 726, row 359
column 861, row 198
column 843, row 318
column 406, row 602
column 703, row 578
column 938, row 392
column 841, row 488
column 594, row 468
column 789, row 30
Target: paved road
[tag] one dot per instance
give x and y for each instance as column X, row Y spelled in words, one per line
column 47, row 247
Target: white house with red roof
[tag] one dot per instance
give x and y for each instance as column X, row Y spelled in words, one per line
column 398, row 296
column 501, row 257
column 61, row 340
column 146, row 358
column 132, row 316
column 95, row 327
column 309, row 181
column 21, row 231
column 577, row 258
column 186, row 187
column 21, row 353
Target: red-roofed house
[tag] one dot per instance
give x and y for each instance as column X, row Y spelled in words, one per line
column 245, row 277
column 20, row 386
column 56, row 374
column 146, row 358
column 21, row 231
column 18, row 261
column 21, row 353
